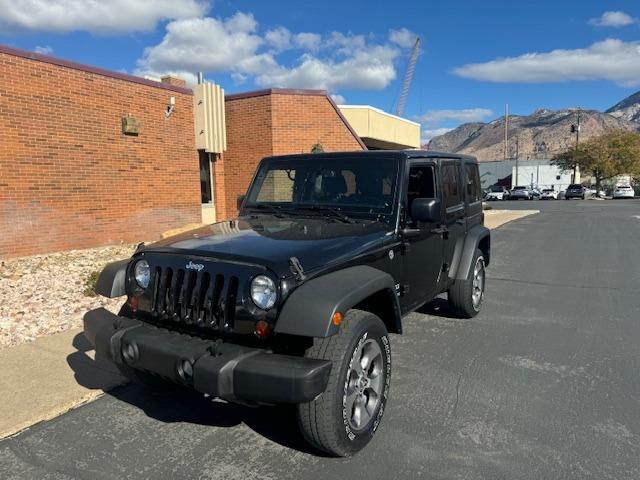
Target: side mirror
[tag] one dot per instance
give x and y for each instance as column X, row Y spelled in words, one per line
column 426, row 210
column 240, row 201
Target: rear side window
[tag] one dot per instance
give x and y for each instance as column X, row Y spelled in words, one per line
column 451, row 184
column 472, row 181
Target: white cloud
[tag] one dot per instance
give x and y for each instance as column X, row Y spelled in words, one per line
column 203, row 44
column 465, row 115
column 279, row 38
column 403, row 37
column 611, row 59
column 308, row 41
column 339, row 99
column 429, row 134
column 369, row 68
column 95, row 16
column 235, row 46
column 44, row 50
column 615, row 19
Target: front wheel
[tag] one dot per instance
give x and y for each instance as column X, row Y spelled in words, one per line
column 466, row 295
column 343, row 419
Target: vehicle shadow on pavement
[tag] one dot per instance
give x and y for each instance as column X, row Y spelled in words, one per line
column 438, row 307
column 276, row 423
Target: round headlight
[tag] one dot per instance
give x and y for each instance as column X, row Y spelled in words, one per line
column 142, row 273
column 263, row 292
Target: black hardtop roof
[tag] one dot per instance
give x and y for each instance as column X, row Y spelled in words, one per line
column 391, row 154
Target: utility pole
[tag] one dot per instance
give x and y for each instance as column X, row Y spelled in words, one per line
column 576, row 129
column 506, row 131
column 517, row 155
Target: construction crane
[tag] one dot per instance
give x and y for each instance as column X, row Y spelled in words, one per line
column 408, row 76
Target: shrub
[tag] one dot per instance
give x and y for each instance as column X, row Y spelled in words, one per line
column 90, row 284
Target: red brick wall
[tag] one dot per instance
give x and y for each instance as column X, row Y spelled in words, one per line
column 274, row 122
column 70, row 179
column 249, row 139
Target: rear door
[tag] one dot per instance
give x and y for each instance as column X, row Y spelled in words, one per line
column 472, row 195
column 422, row 262
column 453, row 205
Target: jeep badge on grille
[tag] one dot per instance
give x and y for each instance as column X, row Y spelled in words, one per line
column 194, row 266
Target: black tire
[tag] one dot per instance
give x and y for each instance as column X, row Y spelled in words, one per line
column 460, row 294
column 325, row 422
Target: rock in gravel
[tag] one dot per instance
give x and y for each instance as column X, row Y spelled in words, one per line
column 43, row 294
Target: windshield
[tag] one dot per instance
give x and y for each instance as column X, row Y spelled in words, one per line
column 347, row 185
column 496, row 189
column 520, row 188
column 575, row 186
column 548, row 190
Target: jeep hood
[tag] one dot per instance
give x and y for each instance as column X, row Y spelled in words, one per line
column 271, row 241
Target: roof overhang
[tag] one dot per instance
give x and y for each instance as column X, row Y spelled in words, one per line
column 381, row 130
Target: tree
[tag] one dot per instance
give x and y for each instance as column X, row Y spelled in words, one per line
column 317, row 147
column 614, row 153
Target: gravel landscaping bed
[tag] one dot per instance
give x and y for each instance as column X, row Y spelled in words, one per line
column 44, row 294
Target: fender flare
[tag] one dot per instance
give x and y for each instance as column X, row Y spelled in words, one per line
column 464, row 259
column 112, row 280
column 310, row 307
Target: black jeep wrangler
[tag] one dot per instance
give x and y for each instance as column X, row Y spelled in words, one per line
column 293, row 302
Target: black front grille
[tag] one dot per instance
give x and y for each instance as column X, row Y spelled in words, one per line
column 195, row 298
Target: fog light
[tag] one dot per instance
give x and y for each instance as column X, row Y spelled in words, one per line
column 133, row 303
column 185, row 369
column 262, row 329
column 130, row 352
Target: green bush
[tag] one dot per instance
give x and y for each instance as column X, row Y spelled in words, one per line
column 90, row 284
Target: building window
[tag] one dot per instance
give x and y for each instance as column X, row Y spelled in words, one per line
column 206, row 187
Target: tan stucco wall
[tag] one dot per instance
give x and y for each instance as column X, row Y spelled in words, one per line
column 371, row 123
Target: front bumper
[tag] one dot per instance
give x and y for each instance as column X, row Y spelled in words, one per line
column 225, row 370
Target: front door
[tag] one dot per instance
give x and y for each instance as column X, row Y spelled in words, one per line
column 422, row 262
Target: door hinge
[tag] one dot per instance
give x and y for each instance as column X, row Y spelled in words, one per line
column 404, row 289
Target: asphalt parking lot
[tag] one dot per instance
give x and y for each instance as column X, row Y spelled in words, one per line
column 543, row 384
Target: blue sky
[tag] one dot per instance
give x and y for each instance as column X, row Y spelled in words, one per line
column 476, row 56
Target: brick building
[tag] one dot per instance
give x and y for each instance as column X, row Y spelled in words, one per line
column 91, row 157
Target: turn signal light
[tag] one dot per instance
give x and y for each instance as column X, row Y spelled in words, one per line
column 262, row 329
column 133, row 303
column 336, row 319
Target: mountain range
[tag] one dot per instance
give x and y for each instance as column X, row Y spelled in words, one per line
column 539, row 135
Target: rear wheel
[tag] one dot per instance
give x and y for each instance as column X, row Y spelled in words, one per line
column 343, row 419
column 466, row 296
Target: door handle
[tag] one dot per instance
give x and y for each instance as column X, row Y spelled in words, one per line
column 460, row 221
column 440, row 230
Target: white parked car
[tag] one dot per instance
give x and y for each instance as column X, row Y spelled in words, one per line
column 549, row 194
column 520, row 192
column 497, row 193
column 623, row 191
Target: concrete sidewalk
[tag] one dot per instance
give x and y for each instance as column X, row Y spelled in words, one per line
column 45, row 378
column 42, row 379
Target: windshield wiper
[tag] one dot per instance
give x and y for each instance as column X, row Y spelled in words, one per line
column 331, row 212
column 276, row 210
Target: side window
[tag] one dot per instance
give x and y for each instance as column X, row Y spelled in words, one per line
column 451, row 184
column 472, row 181
column 421, row 183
